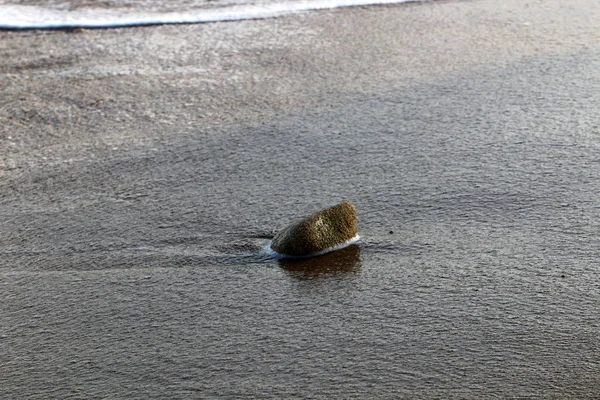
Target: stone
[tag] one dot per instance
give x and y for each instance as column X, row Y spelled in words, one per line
column 331, row 229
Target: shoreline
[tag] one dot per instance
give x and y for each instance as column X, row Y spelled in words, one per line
column 18, row 17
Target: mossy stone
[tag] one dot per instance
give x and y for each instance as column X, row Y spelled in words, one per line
column 319, row 233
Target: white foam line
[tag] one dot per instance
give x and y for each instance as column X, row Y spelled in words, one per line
column 275, row 254
column 33, row 17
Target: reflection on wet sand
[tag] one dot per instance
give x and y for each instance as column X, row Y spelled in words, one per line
column 344, row 261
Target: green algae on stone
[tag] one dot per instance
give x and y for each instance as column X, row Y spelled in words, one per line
column 319, row 233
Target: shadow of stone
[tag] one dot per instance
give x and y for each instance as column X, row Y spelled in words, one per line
column 344, row 261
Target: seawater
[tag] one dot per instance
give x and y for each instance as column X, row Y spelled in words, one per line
column 56, row 15
column 134, row 273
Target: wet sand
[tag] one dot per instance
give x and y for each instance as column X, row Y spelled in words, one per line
column 142, row 171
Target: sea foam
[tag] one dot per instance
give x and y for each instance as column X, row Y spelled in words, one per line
column 268, row 250
column 33, row 17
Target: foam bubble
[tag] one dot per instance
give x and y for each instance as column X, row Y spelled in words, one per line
column 275, row 254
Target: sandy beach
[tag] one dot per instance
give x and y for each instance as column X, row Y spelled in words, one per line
column 142, row 170
column 71, row 95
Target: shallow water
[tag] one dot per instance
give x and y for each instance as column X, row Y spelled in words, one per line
column 142, row 275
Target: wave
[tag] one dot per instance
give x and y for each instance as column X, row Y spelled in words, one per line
column 14, row 16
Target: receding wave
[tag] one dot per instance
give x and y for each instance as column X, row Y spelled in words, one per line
column 26, row 16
